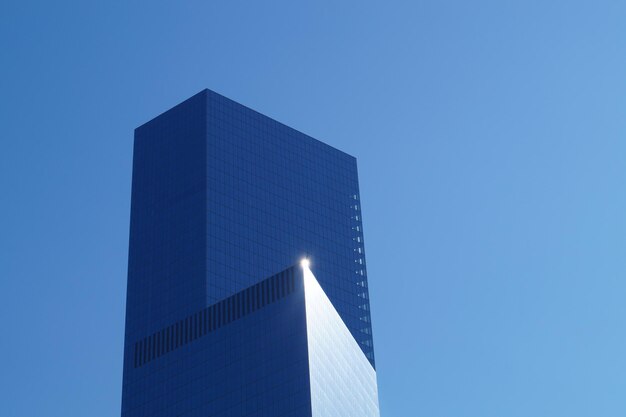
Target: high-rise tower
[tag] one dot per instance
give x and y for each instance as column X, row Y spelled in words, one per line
column 221, row 320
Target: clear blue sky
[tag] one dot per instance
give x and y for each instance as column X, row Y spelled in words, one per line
column 491, row 140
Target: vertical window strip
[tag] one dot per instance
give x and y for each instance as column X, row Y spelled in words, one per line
column 168, row 345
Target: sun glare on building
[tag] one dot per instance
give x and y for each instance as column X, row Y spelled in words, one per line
column 305, row 263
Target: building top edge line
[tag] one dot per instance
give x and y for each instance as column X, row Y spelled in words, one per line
column 207, row 91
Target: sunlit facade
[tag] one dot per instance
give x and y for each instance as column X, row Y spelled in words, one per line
column 223, row 318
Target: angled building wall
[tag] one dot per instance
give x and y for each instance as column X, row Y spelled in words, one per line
column 343, row 382
column 277, row 348
column 245, row 355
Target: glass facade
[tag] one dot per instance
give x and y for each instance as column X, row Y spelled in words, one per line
column 223, row 197
column 243, row 356
column 343, row 382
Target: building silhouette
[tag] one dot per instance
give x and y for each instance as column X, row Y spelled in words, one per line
column 231, row 212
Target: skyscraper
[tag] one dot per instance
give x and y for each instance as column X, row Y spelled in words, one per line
column 222, row 317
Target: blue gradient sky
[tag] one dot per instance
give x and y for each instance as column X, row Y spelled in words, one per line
column 492, row 154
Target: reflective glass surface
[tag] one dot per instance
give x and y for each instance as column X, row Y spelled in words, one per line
column 222, row 197
column 248, row 359
column 343, row 382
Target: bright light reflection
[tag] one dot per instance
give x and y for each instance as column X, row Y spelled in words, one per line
column 343, row 382
column 305, row 263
